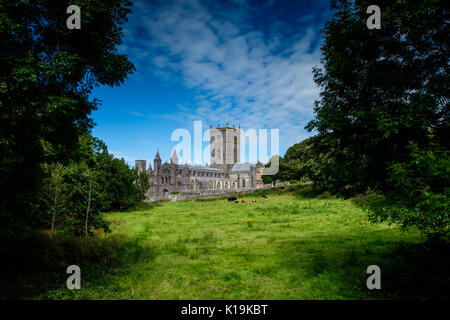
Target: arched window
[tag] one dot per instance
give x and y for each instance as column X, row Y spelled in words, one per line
column 243, row 183
column 162, row 180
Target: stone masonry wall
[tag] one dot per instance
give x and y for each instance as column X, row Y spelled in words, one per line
column 203, row 194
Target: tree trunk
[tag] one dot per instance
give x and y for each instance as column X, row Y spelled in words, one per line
column 88, row 206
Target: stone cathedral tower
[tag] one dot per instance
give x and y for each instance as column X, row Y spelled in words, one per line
column 225, row 146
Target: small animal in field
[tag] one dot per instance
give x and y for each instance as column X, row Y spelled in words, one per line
column 242, row 201
column 265, row 196
column 254, row 201
column 232, row 199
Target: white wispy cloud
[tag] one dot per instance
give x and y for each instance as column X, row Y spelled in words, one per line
column 137, row 114
column 261, row 81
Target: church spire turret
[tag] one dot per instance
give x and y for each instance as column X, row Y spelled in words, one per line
column 174, row 158
column 157, row 161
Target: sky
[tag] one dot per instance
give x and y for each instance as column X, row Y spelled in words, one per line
column 248, row 62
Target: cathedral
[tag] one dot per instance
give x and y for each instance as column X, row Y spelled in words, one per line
column 224, row 172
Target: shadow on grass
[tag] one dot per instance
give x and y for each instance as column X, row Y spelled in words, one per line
column 409, row 271
column 309, row 191
column 144, row 206
column 300, row 190
column 31, row 268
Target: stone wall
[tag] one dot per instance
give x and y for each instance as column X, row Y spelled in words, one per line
column 204, row 194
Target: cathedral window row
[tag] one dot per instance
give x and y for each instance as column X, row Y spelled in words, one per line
column 206, row 174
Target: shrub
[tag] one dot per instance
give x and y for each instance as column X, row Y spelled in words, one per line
column 325, row 195
column 420, row 194
column 363, row 200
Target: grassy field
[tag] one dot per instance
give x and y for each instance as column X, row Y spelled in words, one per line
column 286, row 247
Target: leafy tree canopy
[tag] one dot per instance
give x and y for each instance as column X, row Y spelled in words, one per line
column 47, row 74
column 75, row 195
column 383, row 115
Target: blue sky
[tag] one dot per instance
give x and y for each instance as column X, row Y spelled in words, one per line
column 203, row 60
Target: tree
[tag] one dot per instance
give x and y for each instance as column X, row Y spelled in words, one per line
column 47, row 75
column 383, row 114
column 75, row 195
column 267, row 179
column 85, row 197
column 118, row 180
column 54, row 192
column 303, row 160
column 142, row 184
column 300, row 162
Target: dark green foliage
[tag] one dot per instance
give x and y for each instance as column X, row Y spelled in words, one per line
column 142, row 184
column 302, row 159
column 76, row 194
column 120, row 184
column 420, row 192
column 325, row 195
column 47, row 73
column 364, row 200
column 286, row 170
column 301, row 162
column 85, row 198
column 383, row 117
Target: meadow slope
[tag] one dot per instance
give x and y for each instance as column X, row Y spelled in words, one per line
column 286, row 247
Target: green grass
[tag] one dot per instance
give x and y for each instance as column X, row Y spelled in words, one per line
column 295, row 248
